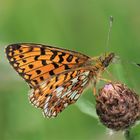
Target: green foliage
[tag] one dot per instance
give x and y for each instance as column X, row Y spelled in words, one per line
column 80, row 25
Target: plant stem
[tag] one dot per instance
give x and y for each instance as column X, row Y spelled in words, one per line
column 127, row 134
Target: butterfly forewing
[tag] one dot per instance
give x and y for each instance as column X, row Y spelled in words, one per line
column 55, row 94
column 36, row 62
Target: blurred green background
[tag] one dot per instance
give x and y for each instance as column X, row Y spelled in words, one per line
column 80, row 25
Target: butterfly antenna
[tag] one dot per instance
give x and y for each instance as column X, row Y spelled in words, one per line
column 109, row 31
column 136, row 64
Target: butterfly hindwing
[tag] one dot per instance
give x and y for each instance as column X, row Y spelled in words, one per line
column 36, row 62
column 55, row 94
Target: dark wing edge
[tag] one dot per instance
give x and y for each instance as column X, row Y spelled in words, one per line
column 18, row 45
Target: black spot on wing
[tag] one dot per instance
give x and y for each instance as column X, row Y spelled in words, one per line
column 61, row 59
column 54, row 55
column 24, row 61
column 35, row 81
column 77, row 60
column 20, row 50
column 42, row 51
column 69, row 58
column 38, row 71
column 51, row 72
column 21, row 56
column 44, row 63
column 55, row 65
column 36, row 57
column 15, row 46
column 11, row 48
column 30, row 66
column 41, row 78
column 66, row 67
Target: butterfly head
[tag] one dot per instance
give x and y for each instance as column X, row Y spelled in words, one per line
column 106, row 59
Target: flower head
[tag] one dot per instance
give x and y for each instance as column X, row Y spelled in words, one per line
column 117, row 106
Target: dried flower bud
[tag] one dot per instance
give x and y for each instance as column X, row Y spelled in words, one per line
column 117, row 106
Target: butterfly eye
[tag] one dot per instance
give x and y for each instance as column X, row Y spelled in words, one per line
column 105, row 63
column 108, row 59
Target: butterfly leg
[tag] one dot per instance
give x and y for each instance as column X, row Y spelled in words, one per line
column 94, row 88
column 110, row 75
column 105, row 80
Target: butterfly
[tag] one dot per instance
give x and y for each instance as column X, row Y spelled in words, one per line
column 57, row 77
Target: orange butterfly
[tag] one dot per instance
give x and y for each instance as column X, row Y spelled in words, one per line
column 57, row 77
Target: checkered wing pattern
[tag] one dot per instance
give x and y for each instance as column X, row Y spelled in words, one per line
column 36, row 63
column 55, row 94
column 57, row 77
